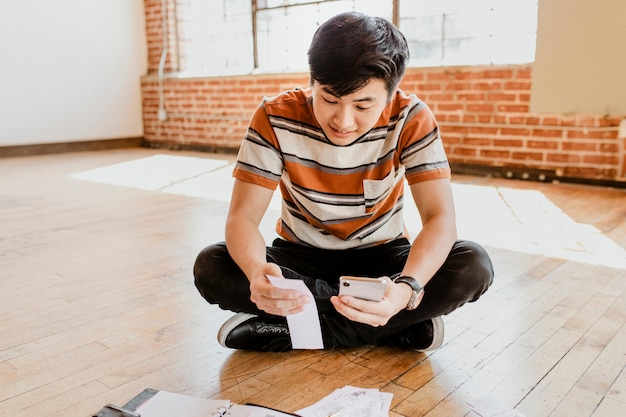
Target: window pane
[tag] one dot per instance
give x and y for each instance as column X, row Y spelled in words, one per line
column 215, row 37
column 284, row 33
column 470, row 32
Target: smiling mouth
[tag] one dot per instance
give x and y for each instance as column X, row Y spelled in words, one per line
column 341, row 131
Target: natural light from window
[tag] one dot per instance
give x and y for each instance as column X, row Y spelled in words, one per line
column 521, row 220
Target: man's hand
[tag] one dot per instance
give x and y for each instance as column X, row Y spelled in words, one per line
column 374, row 313
column 272, row 300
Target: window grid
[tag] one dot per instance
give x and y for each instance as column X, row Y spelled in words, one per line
column 222, row 37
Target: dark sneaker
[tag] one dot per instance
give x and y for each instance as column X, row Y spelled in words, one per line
column 422, row 337
column 250, row 332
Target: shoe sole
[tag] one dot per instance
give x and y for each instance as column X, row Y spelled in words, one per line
column 230, row 324
column 438, row 334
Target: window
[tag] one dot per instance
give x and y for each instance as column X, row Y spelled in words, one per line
column 220, row 37
column 453, row 32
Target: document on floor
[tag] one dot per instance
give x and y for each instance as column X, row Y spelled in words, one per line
column 167, row 404
column 350, row 402
column 304, row 327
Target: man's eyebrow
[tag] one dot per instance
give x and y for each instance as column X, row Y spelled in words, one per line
column 364, row 99
column 358, row 100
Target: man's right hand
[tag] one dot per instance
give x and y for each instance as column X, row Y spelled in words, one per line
column 272, row 300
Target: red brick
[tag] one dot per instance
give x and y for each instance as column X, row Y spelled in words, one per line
column 471, row 96
column 600, row 159
column 509, row 143
column 511, row 108
column 503, row 73
column 516, row 85
column 501, row 97
column 548, row 133
column 440, row 97
column 449, row 107
column 517, row 120
column 491, row 86
column 609, row 148
column 596, row 134
column 467, row 75
column 457, row 86
column 428, row 87
column 527, row 156
column 465, row 151
column 495, row 154
column 480, row 108
column 515, row 131
column 563, row 158
column 542, row 144
column 532, row 120
column 484, row 130
column 579, row 146
column 439, row 76
column 524, row 73
column 476, row 142
column 455, row 129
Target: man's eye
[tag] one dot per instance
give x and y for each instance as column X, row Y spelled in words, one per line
column 329, row 101
column 362, row 108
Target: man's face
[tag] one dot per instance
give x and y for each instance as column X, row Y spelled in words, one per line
column 344, row 119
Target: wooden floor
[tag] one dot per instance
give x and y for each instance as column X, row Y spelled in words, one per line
column 97, row 300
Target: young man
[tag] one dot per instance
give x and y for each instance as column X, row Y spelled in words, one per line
column 341, row 151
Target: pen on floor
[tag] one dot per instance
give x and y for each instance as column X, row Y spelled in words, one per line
column 273, row 409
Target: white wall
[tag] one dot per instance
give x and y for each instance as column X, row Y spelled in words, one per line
column 70, row 70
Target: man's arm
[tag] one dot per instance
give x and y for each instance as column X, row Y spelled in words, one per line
column 247, row 247
column 428, row 252
column 432, row 245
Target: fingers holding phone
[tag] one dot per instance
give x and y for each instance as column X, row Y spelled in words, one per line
column 367, row 302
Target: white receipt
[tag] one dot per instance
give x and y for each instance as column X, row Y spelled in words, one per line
column 304, row 327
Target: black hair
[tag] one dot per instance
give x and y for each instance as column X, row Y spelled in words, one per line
column 351, row 48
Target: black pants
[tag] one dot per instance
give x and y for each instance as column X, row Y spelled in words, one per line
column 464, row 277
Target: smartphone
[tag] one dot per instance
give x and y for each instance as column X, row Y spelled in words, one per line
column 362, row 287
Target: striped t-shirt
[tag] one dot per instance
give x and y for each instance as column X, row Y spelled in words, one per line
column 340, row 197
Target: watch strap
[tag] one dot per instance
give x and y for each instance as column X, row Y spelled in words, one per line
column 417, row 290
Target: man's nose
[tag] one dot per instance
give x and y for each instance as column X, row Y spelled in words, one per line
column 344, row 117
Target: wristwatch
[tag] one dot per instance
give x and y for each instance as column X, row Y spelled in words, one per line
column 418, row 290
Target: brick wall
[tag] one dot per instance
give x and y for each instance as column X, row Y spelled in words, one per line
column 483, row 113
